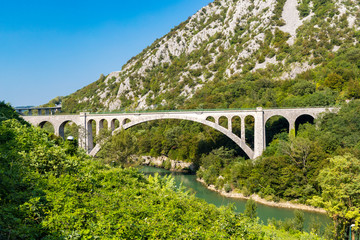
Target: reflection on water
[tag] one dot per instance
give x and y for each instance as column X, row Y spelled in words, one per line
column 263, row 212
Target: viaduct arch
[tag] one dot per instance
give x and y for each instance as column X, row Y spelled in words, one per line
column 128, row 120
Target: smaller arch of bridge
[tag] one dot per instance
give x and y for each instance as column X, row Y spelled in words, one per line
column 310, row 117
column 47, row 125
column 278, row 125
column 236, row 125
column 114, row 124
column 304, row 118
column 90, row 133
column 42, row 124
column 288, row 118
column 102, row 124
column 102, row 121
column 61, row 128
column 125, row 121
column 278, row 116
column 210, row 119
column 224, row 121
column 249, row 132
column 90, row 122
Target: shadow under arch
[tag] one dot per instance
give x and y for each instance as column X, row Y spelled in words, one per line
column 238, row 141
column 47, row 126
column 103, row 124
column 125, row 121
column 236, row 125
column 250, row 130
column 275, row 125
column 302, row 119
column 224, row 122
column 68, row 128
column 114, row 124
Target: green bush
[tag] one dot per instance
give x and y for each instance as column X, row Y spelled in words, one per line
column 227, row 187
column 167, row 164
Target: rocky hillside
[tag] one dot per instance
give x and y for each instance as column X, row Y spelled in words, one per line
column 240, row 53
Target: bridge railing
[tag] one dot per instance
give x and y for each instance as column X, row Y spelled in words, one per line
column 177, row 110
column 201, row 110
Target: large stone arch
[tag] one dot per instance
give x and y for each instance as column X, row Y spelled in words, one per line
column 240, row 142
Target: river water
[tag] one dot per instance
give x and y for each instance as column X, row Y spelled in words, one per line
column 263, row 212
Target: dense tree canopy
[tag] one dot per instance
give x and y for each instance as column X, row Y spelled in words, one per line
column 49, row 190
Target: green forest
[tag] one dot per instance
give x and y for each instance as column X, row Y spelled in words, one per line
column 50, row 189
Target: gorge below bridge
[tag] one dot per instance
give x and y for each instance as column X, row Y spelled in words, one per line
column 118, row 121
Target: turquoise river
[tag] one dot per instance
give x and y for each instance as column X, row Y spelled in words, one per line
column 264, row 212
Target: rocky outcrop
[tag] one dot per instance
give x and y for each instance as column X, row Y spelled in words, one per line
column 167, row 163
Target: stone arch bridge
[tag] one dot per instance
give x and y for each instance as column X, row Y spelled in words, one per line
column 209, row 118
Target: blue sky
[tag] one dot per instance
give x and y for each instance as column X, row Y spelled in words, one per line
column 53, row 48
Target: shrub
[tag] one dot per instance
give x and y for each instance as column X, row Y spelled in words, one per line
column 227, row 187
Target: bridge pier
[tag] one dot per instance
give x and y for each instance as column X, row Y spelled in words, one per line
column 230, row 124
column 58, row 131
column 243, row 128
column 217, row 120
column 99, row 126
column 89, row 137
column 292, row 127
column 259, row 133
column 112, row 125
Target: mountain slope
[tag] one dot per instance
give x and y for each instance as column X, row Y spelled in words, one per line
column 240, row 53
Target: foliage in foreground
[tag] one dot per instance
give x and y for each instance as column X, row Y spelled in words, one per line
column 50, row 191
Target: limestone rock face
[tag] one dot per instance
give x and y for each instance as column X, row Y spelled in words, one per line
column 225, row 38
column 165, row 162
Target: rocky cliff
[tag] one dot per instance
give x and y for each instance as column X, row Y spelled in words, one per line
column 229, row 41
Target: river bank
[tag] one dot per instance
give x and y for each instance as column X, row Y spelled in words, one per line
column 186, row 167
column 258, row 199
